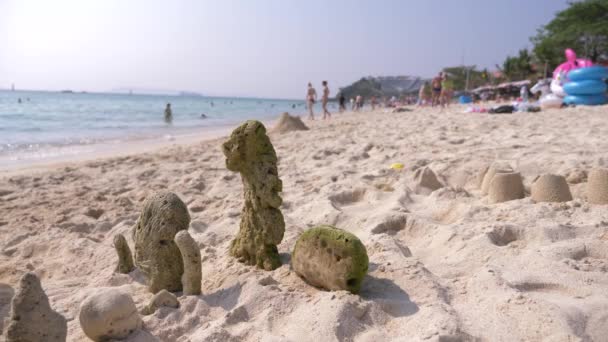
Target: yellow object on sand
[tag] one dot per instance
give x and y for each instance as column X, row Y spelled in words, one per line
column 396, row 166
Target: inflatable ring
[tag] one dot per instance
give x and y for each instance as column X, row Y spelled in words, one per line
column 588, row 100
column 586, row 87
column 596, row 72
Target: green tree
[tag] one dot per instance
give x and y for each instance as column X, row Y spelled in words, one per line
column 583, row 26
column 518, row 67
column 458, row 75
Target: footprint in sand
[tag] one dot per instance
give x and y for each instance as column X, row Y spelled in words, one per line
column 347, row 197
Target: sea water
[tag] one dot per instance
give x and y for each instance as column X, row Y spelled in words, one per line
column 43, row 123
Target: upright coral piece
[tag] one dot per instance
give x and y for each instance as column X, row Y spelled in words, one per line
column 125, row 259
column 191, row 255
column 32, row 319
column 249, row 152
column 156, row 254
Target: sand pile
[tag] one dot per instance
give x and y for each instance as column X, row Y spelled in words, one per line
column 288, row 123
column 445, row 265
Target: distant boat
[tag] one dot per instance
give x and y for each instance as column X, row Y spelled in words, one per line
column 67, row 91
column 189, row 93
column 13, row 87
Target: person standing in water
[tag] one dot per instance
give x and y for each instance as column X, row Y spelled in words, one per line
column 168, row 114
column 342, row 103
column 324, row 100
column 311, row 97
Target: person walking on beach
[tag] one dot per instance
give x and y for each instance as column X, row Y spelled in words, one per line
column 342, row 101
column 324, row 99
column 446, row 90
column 374, row 102
column 168, row 114
column 358, row 102
column 436, row 87
column 311, row 97
column 422, row 95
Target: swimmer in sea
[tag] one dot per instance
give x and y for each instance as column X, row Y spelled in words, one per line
column 168, row 114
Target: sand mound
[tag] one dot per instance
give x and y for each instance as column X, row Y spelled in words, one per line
column 497, row 167
column 505, row 187
column 288, row 123
column 551, row 188
column 597, row 186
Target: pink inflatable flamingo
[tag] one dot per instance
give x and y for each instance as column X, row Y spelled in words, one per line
column 561, row 72
column 571, row 63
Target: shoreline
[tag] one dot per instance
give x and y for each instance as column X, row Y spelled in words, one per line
column 59, row 156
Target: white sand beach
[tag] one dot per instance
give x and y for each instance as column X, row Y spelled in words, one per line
column 445, row 265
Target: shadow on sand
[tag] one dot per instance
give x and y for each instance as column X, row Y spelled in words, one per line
column 6, row 295
column 389, row 296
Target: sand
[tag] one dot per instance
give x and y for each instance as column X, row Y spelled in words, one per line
column 444, row 266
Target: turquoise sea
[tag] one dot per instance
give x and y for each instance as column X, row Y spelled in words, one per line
column 43, row 120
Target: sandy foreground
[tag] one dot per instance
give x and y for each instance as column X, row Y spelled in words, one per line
column 446, row 266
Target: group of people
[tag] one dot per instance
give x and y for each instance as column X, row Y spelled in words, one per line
column 311, row 98
column 440, row 92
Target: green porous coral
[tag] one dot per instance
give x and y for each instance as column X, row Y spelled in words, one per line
column 156, row 254
column 330, row 258
column 249, row 152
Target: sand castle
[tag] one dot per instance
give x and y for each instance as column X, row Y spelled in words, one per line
column 506, row 186
column 330, row 258
column 490, row 173
column 156, row 253
column 31, row 318
column 551, row 188
column 250, row 152
column 597, row 186
column 191, row 256
column 107, row 315
column 426, row 181
column 288, row 123
column 125, row 259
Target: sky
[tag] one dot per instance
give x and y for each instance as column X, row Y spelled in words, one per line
column 257, row 48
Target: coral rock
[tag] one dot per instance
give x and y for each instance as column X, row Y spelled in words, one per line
column 249, row 152
column 426, row 181
column 110, row 314
column 288, row 123
column 330, row 258
column 156, row 254
column 551, row 188
column 506, row 187
column 125, row 259
column 597, row 186
column 191, row 255
column 162, row 298
column 31, row 318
